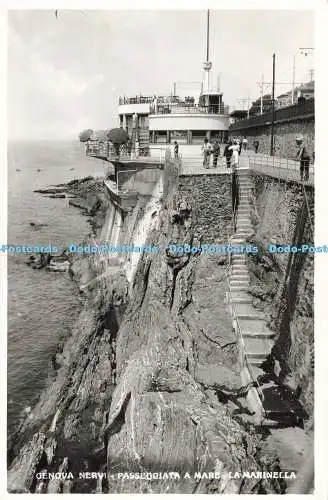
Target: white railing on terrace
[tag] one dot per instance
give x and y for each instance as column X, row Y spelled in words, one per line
column 277, row 166
column 142, row 154
column 187, row 109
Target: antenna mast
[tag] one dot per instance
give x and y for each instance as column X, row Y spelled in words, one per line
column 207, row 65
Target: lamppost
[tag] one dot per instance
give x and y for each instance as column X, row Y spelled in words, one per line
column 273, row 104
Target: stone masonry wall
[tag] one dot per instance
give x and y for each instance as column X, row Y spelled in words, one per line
column 285, row 135
column 210, row 198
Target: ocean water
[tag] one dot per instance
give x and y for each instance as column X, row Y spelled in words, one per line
column 41, row 305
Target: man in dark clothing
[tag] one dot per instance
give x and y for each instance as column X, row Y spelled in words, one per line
column 304, row 158
column 216, row 153
column 176, row 150
column 228, row 153
column 256, row 145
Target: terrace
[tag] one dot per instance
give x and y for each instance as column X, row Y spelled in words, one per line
column 173, row 104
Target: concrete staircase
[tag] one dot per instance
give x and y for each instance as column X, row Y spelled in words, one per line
column 257, row 337
column 271, row 404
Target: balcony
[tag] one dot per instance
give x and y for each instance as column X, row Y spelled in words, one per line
column 105, row 151
column 173, row 105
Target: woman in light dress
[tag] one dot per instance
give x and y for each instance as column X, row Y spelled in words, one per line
column 235, row 153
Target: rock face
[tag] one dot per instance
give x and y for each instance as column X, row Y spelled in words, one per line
column 283, row 283
column 211, row 195
column 144, row 383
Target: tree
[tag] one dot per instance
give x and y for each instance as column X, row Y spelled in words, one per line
column 117, row 137
column 85, row 135
column 256, row 105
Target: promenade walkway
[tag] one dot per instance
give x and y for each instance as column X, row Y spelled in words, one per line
column 193, row 165
column 275, row 166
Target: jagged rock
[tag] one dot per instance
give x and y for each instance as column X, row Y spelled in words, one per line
column 37, row 226
column 21, row 474
column 126, row 393
column 57, row 196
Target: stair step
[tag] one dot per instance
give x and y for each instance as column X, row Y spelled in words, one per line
column 256, row 325
column 249, row 315
column 238, row 241
column 241, row 280
column 256, row 362
column 263, row 335
column 240, row 277
column 244, row 309
column 257, row 347
column 239, row 288
column 240, row 298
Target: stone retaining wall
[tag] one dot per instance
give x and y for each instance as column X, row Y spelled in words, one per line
column 285, row 135
column 284, row 282
column 210, row 197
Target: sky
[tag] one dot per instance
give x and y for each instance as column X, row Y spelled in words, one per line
column 66, row 73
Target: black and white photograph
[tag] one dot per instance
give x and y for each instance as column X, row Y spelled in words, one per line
column 160, row 251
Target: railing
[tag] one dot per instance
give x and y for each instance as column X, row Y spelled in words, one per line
column 173, row 104
column 276, row 166
column 281, row 114
column 135, row 100
column 184, row 108
column 107, row 151
column 159, row 99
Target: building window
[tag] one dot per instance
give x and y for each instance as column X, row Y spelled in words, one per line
column 160, row 137
column 181, row 136
column 198, row 136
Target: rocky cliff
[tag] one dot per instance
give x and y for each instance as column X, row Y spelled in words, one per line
column 148, row 380
column 283, row 283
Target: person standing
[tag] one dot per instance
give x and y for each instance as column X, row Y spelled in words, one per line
column 235, row 153
column 206, row 150
column 245, row 142
column 216, row 153
column 228, row 153
column 256, row 145
column 303, row 157
column 176, row 150
column 239, row 143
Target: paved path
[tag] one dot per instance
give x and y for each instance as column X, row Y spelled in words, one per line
column 193, row 165
column 274, row 166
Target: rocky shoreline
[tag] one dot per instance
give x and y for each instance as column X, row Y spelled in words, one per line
column 148, row 379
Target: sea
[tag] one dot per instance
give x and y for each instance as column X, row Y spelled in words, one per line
column 42, row 305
